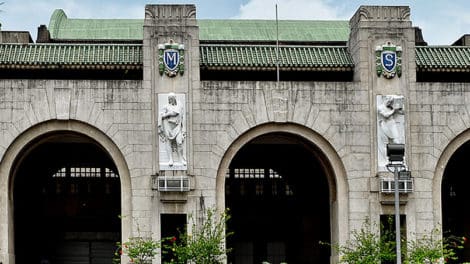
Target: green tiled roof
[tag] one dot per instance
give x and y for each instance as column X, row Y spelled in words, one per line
column 265, row 30
column 227, row 57
column 63, row 28
column 240, row 57
column 443, row 58
column 70, row 55
column 246, row 57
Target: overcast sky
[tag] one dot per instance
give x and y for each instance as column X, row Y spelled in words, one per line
column 442, row 21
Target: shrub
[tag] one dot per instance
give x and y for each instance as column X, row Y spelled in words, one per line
column 367, row 247
column 433, row 249
column 139, row 250
column 206, row 242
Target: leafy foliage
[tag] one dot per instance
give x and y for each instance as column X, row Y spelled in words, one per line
column 367, row 247
column 139, row 250
column 432, row 249
column 206, row 243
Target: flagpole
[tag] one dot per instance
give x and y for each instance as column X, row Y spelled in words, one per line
column 277, row 47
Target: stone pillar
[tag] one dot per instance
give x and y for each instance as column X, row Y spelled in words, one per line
column 171, row 71
column 373, row 26
column 171, row 27
column 374, row 30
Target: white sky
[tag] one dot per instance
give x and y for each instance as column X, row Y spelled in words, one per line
column 442, row 21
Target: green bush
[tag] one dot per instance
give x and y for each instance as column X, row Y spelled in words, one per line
column 205, row 244
column 433, row 249
column 139, row 250
column 367, row 247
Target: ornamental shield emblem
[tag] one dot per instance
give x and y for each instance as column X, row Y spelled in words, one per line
column 388, row 60
column 171, row 58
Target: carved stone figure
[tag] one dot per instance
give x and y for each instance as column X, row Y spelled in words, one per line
column 390, row 122
column 172, row 133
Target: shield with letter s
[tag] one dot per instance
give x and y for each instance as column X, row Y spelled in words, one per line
column 389, row 60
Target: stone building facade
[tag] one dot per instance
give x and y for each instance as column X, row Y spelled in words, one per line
column 295, row 159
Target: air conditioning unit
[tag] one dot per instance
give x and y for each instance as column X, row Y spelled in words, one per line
column 173, row 184
column 405, row 185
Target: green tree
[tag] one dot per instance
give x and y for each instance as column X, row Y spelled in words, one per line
column 206, row 242
column 367, row 246
column 140, row 250
column 432, row 248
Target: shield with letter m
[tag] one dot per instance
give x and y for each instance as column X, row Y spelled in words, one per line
column 171, row 59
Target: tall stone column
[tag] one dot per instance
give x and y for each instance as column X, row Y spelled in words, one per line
column 171, row 68
column 382, row 44
column 171, row 71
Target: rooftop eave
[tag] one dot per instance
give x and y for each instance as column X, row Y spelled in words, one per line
column 39, row 66
column 274, row 68
column 452, row 59
column 439, row 68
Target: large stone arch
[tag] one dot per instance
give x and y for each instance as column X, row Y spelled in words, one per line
column 18, row 146
column 330, row 159
column 441, row 165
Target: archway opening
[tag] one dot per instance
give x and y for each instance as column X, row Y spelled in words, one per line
column 278, row 194
column 66, row 201
column 455, row 199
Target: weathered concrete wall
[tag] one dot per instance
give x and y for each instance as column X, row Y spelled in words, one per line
column 164, row 24
column 339, row 117
column 15, row 37
column 372, row 27
column 121, row 110
column 337, row 112
column 438, row 114
column 224, row 111
column 439, row 124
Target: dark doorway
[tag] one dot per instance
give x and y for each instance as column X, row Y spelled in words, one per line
column 388, row 233
column 66, row 202
column 455, row 199
column 172, row 225
column 278, row 196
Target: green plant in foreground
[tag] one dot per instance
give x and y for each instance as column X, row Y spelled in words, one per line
column 206, row 242
column 433, row 249
column 205, row 245
column 367, row 247
column 139, row 250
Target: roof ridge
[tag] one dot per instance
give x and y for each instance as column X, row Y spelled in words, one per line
column 57, row 18
column 443, row 46
column 273, row 20
column 234, row 30
column 270, row 45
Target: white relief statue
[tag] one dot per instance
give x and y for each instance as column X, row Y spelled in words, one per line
column 390, row 125
column 171, row 131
